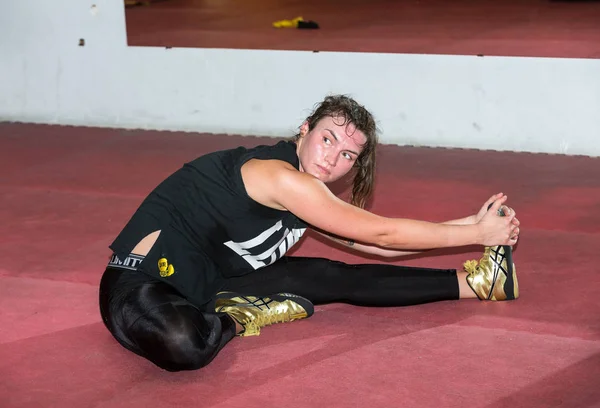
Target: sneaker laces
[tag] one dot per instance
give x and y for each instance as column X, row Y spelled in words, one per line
column 272, row 316
column 254, row 319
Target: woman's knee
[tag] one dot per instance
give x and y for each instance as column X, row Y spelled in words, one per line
column 175, row 338
column 184, row 353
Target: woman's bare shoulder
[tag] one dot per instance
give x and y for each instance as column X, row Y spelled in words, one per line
column 261, row 178
column 277, row 184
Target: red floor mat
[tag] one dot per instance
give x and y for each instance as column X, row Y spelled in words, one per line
column 66, row 191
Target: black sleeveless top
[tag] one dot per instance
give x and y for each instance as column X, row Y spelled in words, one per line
column 205, row 208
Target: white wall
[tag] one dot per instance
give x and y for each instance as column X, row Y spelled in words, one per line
column 521, row 104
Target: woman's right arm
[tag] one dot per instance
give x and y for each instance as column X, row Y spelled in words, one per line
column 278, row 185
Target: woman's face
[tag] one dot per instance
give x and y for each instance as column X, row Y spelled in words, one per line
column 329, row 151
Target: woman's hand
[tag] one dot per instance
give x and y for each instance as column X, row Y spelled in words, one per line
column 484, row 209
column 474, row 219
column 506, row 209
column 495, row 229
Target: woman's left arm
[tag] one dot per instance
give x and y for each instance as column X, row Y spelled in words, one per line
column 368, row 249
column 387, row 253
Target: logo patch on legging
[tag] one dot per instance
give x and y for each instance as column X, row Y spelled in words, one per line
column 165, row 268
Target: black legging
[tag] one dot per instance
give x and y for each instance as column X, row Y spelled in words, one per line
column 153, row 320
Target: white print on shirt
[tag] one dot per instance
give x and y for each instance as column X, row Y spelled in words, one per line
column 248, row 249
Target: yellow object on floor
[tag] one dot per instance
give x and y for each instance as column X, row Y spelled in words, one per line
column 288, row 23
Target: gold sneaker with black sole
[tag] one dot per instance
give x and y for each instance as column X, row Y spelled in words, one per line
column 255, row 312
column 494, row 277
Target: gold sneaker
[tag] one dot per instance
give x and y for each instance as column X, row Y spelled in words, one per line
column 254, row 312
column 494, row 277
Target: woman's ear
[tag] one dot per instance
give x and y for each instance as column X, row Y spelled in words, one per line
column 304, row 129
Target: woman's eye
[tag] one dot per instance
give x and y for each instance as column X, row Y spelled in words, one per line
column 347, row 156
column 326, row 140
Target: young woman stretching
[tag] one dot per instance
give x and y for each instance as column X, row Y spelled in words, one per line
column 203, row 257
